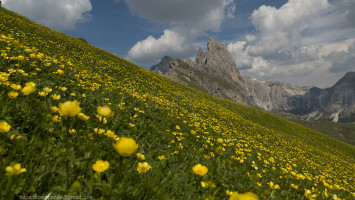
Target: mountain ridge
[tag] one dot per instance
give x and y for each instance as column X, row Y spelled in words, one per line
column 216, row 73
column 213, row 71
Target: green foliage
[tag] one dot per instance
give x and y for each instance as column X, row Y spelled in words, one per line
column 344, row 132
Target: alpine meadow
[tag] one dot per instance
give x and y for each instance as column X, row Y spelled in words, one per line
column 77, row 120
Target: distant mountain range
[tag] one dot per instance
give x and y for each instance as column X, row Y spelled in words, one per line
column 216, row 73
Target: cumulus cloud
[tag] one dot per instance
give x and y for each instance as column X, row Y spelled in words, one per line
column 297, row 39
column 60, row 15
column 151, row 49
column 186, row 19
column 342, row 61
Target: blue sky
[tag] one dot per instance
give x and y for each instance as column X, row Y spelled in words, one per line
column 302, row 42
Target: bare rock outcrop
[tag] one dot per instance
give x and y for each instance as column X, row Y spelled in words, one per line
column 213, row 71
column 216, row 73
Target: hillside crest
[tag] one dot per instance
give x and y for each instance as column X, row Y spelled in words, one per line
column 216, row 73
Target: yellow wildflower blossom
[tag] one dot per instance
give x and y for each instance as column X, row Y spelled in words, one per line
column 15, row 170
column 4, row 127
column 83, row 116
column 55, row 96
column 69, row 108
column 143, row 167
column 140, row 156
column 100, row 166
column 126, row 146
column 47, row 89
column 105, row 111
column 27, row 90
column 200, row 170
column 15, row 87
column 12, row 95
column 243, row 196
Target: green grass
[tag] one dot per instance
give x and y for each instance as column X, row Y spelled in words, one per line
column 243, row 148
column 344, row 132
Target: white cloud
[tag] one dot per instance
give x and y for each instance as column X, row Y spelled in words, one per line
column 342, row 61
column 294, row 40
column 187, row 19
column 57, row 14
column 151, row 49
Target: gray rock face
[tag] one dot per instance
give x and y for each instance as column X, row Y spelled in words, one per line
column 216, row 73
column 217, row 60
column 336, row 103
column 163, row 67
column 272, row 95
column 213, row 71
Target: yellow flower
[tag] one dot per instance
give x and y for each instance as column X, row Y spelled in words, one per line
column 47, row 89
column 177, row 127
column 99, row 131
column 15, row 137
column 69, row 108
column 56, row 118
column 309, row 195
column 83, row 116
column 42, row 94
column 55, row 96
column 140, row 156
column 105, row 111
column 200, row 169
column 204, row 184
column 11, row 71
column 28, row 89
column 208, row 184
column 20, row 57
column 4, row 127
column 273, row 186
column 244, row 196
column 72, row 131
column 100, row 166
column 162, row 157
column 143, row 167
column 54, row 109
column 126, row 146
column 60, row 72
column 31, row 84
column 15, row 87
column 110, row 134
column 220, row 140
column 63, row 89
column 229, row 193
column 15, row 170
column 12, row 95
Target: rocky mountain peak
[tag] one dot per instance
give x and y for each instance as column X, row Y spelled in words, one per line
column 212, row 45
column 201, row 58
column 213, row 71
column 162, row 67
column 219, row 61
column 348, row 79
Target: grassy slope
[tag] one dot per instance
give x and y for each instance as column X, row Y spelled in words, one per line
column 178, row 122
column 344, row 132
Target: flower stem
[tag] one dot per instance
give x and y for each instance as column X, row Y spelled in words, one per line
column 67, row 147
